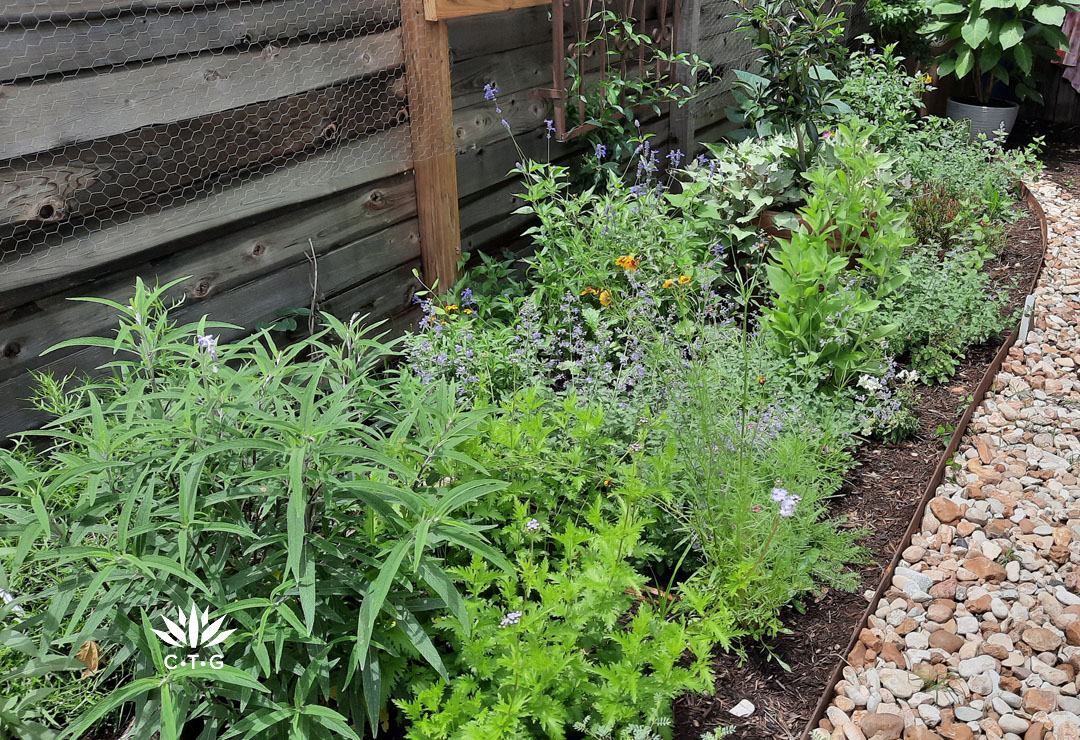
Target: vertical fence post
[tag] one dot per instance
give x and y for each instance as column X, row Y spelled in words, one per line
column 431, row 120
column 681, row 120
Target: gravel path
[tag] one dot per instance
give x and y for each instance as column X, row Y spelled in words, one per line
column 979, row 634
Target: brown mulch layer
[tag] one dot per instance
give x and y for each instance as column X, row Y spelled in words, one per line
column 879, row 496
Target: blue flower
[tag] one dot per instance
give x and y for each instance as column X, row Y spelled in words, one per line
column 490, row 91
column 532, row 525
column 601, row 151
column 550, row 127
column 510, row 619
column 208, row 344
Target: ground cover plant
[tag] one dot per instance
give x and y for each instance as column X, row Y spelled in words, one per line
column 537, row 514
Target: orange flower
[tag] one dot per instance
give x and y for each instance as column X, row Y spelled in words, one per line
column 627, row 262
column 761, row 380
column 684, row 279
column 589, row 290
column 668, row 283
column 605, row 297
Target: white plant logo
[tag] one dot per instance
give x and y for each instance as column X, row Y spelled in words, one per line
column 193, row 631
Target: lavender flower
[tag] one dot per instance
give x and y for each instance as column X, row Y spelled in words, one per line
column 490, row 91
column 510, row 619
column 532, row 525
column 601, row 151
column 779, row 495
column 550, row 127
column 208, row 344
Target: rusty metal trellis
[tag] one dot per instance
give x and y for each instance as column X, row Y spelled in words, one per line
column 576, row 40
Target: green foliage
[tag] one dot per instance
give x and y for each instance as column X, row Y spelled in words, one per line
column 893, row 20
column 998, row 40
column 732, row 446
column 830, row 276
column 560, row 643
column 879, row 90
column 612, row 101
column 283, row 490
column 799, row 43
column 735, row 186
column 946, row 307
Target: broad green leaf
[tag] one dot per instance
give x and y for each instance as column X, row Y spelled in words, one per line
column 1022, row 56
column 119, row 697
column 1011, row 34
column 965, row 60
column 975, row 32
column 1050, row 15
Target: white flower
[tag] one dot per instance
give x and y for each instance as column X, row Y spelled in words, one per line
column 869, row 382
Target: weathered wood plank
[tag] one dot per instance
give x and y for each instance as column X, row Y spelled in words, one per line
column 526, row 68
column 431, row 114
column 49, row 48
column 112, row 174
column 31, row 12
column 379, row 215
column 53, row 114
column 491, row 34
column 83, row 251
column 388, row 294
column 478, row 125
column 441, row 10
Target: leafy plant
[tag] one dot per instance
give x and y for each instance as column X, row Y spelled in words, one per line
column 281, row 490
column 551, row 648
column 879, row 90
column 800, row 43
column 946, row 307
column 891, row 21
column 829, row 278
column 998, row 40
column 737, row 185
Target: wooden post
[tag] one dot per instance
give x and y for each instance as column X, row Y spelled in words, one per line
column 431, row 119
column 681, row 120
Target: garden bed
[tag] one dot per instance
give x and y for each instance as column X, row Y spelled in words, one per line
column 880, row 496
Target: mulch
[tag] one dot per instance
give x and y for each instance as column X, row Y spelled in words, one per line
column 880, row 497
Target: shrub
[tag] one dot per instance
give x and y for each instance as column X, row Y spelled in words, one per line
column 946, row 307
column 880, row 90
column 979, row 173
column 283, row 490
column 564, row 643
column 831, row 275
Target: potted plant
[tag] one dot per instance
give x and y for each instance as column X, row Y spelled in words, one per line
column 995, row 41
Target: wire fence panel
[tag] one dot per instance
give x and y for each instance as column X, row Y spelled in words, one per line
column 128, row 127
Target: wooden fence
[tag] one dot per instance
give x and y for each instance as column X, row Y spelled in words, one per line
column 231, row 141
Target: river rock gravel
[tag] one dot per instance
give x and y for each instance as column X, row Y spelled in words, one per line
column 978, row 635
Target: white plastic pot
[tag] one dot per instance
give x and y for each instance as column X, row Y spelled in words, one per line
column 985, row 119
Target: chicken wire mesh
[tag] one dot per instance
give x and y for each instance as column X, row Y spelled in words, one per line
column 127, row 123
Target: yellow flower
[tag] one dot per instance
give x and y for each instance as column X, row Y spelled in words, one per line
column 928, row 79
column 761, row 380
column 451, row 307
column 684, row 279
column 468, row 310
column 589, row 290
column 627, row 262
column 668, row 283
column 605, row 297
